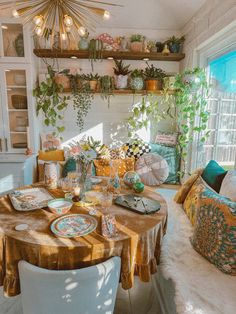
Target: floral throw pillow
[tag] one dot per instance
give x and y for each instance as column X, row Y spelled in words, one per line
column 214, row 234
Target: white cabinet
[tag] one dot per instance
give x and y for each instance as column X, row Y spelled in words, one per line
column 17, row 108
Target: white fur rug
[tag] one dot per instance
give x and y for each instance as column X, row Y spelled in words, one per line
column 200, row 288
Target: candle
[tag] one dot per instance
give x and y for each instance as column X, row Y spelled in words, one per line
column 77, row 191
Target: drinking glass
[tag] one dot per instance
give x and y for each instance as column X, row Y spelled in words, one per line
column 108, row 219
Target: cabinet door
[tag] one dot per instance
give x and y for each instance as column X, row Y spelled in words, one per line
column 13, row 41
column 15, row 108
column 2, row 136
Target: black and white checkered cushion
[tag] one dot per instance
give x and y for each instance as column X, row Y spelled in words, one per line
column 137, row 149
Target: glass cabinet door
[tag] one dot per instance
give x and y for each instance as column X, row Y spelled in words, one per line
column 17, row 109
column 12, row 40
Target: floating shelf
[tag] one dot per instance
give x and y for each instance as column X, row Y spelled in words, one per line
column 130, row 92
column 121, row 55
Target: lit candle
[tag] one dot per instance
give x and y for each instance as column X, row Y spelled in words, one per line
column 77, row 191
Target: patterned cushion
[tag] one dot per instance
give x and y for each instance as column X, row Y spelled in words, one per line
column 116, row 153
column 182, row 193
column 214, row 234
column 102, row 166
column 152, row 168
column 136, row 149
column 171, row 155
column 191, row 202
column 228, row 186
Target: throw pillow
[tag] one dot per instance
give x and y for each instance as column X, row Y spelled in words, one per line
column 152, row 168
column 214, row 174
column 136, row 149
column 191, row 202
column 214, row 234
column 228, row 186
column 182, row 193
column 55, row 155
column 103, row 168
column 167, row 139
column 171, row 155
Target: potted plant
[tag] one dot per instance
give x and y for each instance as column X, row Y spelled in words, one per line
column 175, row 43
column 151, row 45
column 93, row 81
column 154, row 77
column 106, row 87
column 50, row 102
column 61, row 78
column 121, row 72
column 159, row 46
column 136, row 79
column 136, row 43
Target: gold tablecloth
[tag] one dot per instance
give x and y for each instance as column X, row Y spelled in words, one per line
column 138, row 243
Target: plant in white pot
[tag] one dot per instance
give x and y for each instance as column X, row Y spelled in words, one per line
column 121, row 72
column 136, row 43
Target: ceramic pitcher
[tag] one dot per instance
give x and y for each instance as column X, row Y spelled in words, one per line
column 50, row 175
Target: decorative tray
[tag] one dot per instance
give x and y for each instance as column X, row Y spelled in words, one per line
column 74, row 225
column 138, row 204
column 30, row 199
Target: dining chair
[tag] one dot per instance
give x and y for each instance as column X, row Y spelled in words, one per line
column 88, row 290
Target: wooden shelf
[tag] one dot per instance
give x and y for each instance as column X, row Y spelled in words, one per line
column 130, row 92
column 121, row 55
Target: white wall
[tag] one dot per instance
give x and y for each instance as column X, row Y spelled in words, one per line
column 207, row 23
column 109, row 124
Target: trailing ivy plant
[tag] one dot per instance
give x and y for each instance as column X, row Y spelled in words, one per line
column 82, row 97
column 144, row 112
column 51, row 102
column 191, row 101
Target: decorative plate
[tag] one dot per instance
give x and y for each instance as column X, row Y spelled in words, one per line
column 30, row 199
column 75, row 225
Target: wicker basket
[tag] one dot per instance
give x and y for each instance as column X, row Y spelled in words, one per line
column 19, row 101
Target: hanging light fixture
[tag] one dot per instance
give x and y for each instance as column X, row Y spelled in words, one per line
column 57, row 16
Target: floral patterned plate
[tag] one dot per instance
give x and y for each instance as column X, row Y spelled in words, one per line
column 75, row 225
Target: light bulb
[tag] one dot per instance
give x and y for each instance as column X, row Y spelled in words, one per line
column 68, row 29
column 38, row 20
column 63, row 36
column 68, row 21
column 106, row 15
column 82, row 31
column 15, row 13
column 38, row 30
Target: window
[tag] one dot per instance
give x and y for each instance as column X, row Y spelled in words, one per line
column 221, row 145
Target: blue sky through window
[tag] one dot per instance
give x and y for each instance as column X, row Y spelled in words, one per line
column 223, row 72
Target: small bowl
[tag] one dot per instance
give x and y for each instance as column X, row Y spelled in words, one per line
column 60, row 206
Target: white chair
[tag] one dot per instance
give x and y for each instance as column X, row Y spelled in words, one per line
column 88, row 290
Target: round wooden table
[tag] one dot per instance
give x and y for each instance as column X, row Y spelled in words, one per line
column 138, row 242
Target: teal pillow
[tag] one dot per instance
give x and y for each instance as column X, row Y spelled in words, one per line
column 171, row 155
column 69, row 166
column 213, row 175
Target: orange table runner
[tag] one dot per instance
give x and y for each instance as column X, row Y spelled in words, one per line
column 138, row 242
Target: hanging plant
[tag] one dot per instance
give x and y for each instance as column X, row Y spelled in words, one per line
column 50, row 102
column 106, row 87
column 143, row 113
column 191, row 102
column 95, row 50
column 82, row 97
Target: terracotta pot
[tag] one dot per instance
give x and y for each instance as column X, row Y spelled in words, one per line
column 153, row 85
column 93, row 85
column 62, row 80
column 136, row 46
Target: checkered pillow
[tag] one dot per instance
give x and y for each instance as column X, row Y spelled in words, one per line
column 137, row 149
